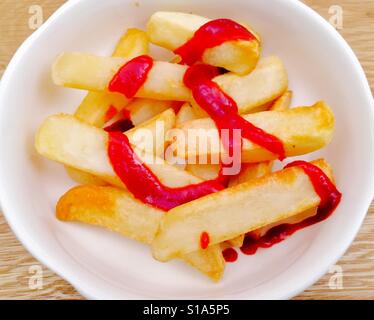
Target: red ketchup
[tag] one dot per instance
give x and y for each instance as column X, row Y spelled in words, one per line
column 224, row 111
column 131, row 76
column 144, row 184
column 330, row 198
column 126, row 114
column 210, row 35
column 230, row 255
column 204, row 240
column 111, row 113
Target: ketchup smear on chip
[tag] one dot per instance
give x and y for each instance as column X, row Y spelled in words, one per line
column 210, row 35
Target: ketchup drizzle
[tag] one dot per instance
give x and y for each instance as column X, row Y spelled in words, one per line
column 210, row 35
column 230, row 255
column 224, row 111
column 131, row 76
column 111, row 113
column 144, row 184
column 330, row 198
column 204, row 240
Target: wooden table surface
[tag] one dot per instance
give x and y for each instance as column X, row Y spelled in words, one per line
column 357, row 265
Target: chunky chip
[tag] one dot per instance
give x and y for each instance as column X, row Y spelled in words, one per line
column 229, row 213
column 249, row 171
column 89, row 72
column 173, row 29
column 165, row 80
column 148, row 136
column 141, row 109
column 118, row 211
column 283, row 102
column 111, row 208
column 65, row 139
column 302, row 130
column 267, row 82
column 185, row 114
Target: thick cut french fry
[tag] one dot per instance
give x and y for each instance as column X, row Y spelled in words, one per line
column 302, row 130
column 264, row 107
column 150, row 135
column 156, row 128
column 118, row 211
column 133, row 43
column 94, row 107
column 185, row 114
column 283, row 102
column 84, row 71
column 88, row 72
column 209, row 261
column 235, row 211
column 236, row 242
column 173, row 29
column 165, row 80
column 204, row 171
column 257, row 170
column 65, row 139
column 248, row 172
column 256, row 91
column 142, row 109
column 251, row 171
column 111, row 208
column 82, row 177
column 267, row 82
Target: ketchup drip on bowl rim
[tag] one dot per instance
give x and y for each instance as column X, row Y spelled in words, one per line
column 330, row 198
column 210, row 35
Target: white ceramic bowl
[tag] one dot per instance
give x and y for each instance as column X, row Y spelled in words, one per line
column 101, row 264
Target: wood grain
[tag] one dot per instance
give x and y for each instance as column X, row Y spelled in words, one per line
column 357, row 264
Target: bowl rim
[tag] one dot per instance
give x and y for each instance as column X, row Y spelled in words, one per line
column 93, row 292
